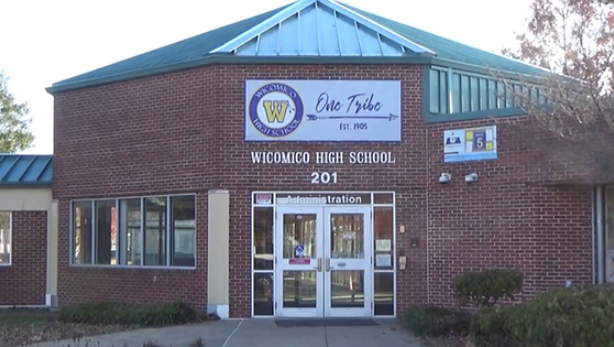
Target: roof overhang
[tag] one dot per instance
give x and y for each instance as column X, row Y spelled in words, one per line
column 229, row 58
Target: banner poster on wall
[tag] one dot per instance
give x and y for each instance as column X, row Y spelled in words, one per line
column 472, row 144
column 323, row 110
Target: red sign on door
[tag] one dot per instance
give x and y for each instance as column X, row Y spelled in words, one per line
column 300, row 261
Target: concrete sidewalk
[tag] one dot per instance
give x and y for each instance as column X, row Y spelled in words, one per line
column 254, row 333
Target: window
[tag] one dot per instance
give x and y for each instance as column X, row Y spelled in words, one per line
column 184, row 223
column 5, row 238
column 106, row 232
column 262, row 294
column 82, row 232
column 383, row 247
column 149, row 231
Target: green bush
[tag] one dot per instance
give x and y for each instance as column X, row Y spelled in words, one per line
column 110, row 313
column 484, row 289
column 436, row 321
column 562, row 317
column 490, row 327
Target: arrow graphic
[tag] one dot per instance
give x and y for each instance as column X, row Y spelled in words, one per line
column 390, row 117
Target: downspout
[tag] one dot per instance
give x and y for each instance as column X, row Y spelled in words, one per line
column 600, row 236
column 594, row 233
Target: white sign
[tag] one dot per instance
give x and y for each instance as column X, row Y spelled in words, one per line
column 383, row 260
column 323, row 177
column 323, row 158
column 470, row 144
column 322, row 110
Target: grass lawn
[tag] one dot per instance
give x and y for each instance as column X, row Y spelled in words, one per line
column 17, row 317
column 24, row 327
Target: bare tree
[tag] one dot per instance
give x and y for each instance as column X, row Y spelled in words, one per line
column 574, row 100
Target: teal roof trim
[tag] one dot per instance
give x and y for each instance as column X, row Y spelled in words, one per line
column 219, row 46
column 21, row 170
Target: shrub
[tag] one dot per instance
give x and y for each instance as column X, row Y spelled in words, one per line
column 108, row 313
column 562, row 317
column 490, row 327
column 436, row 321
column 484, row 289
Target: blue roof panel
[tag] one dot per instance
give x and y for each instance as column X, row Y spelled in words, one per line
column 23, row 170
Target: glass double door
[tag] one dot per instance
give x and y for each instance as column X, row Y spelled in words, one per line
column 323, row 267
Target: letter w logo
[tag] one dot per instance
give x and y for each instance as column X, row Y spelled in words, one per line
column 275, row 110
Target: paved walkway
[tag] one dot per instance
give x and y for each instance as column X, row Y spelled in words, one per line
column 254, row 333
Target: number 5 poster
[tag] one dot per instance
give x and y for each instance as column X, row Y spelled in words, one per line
column 470, row 144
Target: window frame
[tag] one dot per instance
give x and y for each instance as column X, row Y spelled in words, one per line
column 10, row 263
column 168, row 232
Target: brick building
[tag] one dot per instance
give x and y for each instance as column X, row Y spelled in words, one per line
column 28, row 232
column 314, row 160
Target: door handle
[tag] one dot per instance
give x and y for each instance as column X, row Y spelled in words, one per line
column 319, row 267
column 327, row 264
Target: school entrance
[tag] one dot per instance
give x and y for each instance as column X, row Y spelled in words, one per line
column 325, row 257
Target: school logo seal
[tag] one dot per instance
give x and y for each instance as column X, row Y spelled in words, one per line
column 276, row 110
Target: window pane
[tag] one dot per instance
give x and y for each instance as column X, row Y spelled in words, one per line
column 501, row 95
column 492, row 94
column 443, row 92
column 184, row 230
column 263, row 238
column 475, row 94
column 456, row 93
column 434, row 91
column 263, row 294
column 384, row 293
column 383, row 234
column 106, row 232
column 155, row 240
column 300, row 229
column 5, row 237
column 483, row 94
column 465, row 94
column 130, row 231
column 82, row 232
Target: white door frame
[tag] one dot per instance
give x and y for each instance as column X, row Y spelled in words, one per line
column 321, row 264
column 311, row 264
column 334, row 263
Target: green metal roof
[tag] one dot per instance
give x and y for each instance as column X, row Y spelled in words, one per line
column 456, row 52
column 313, row 31
column 24, row 170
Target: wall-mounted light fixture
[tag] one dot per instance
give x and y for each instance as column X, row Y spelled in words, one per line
column 445, row 178
column 472, row 177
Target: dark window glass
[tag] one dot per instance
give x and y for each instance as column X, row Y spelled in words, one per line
column 130, row 231
column 106, row 232
column 155, row 232
column 384, row 293
column 263, row 294
column 263, row 238
column 183, row 233
column 82, row 232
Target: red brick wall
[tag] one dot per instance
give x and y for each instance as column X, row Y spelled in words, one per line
column 183, row 132
column 507, row 218
column 23, row 283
